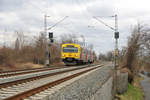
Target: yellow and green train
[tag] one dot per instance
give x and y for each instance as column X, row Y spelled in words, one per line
column 72, row 53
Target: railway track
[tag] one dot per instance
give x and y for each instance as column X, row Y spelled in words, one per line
column 21, row 89
column 6, row 81
column 26, row 71
column 2, row 72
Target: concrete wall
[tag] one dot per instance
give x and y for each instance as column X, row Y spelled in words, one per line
column 122, row 82
column 105, row 92
column 94, row 85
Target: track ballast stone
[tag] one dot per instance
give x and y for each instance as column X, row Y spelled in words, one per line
column 83, row 87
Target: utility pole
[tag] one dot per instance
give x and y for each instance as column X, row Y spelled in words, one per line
column 116, row 36
column 116, row 56
column 47, row 47
column 116, row 43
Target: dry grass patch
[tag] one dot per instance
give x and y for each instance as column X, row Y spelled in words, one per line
column 28, row 65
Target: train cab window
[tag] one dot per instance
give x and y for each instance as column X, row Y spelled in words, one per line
column 70, row 49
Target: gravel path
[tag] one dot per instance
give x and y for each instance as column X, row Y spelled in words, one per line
column 146, row 86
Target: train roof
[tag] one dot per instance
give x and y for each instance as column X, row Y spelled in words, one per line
column 70, row 44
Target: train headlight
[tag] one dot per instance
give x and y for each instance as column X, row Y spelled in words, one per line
column 63, row 55
column 76, row 55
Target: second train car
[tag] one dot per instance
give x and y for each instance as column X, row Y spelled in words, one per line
column 72, row 54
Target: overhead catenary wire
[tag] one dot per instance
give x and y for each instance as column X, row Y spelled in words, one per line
column 57, row 23
column 104, row 23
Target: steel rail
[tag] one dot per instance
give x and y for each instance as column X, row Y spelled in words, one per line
column 19, row 70
column 27, row 71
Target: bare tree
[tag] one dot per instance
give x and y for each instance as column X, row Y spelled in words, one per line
column 145, row 44
column 109, row 55
column 40, row 48
column 20, row 38
column 17, row 44
column 129, row 56
column 68, row 38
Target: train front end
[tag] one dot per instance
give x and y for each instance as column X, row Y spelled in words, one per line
column 70, row 53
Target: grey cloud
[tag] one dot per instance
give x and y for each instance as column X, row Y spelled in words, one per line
column 11, row 5
column 102, row 8
column 71, row 2
column 30, row 16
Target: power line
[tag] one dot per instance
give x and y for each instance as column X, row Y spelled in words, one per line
column 103, row 23
column 58, row 22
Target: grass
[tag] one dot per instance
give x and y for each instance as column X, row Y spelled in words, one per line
column 134, row 92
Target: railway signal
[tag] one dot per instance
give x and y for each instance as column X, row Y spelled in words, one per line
column 116, row 35
column 51, row 37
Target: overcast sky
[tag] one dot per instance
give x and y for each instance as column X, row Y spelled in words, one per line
column 28, row 16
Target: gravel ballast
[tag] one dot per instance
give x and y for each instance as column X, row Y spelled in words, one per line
column 93, row 85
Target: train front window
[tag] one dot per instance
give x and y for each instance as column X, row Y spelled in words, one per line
column 70, row 49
